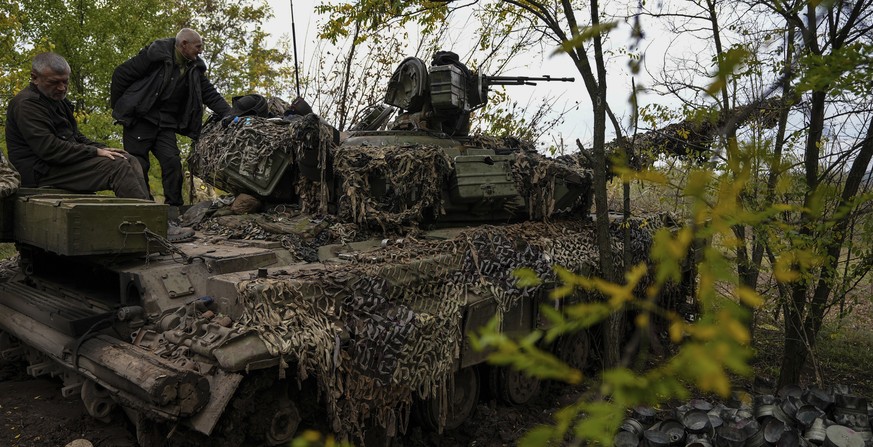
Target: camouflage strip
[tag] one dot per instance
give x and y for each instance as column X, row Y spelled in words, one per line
column 10, row 181
column 385, row 327
column 246, row 146
column 414, row 178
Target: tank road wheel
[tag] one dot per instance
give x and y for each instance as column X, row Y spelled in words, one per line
column 283, row 420
column 10, row 348
column 574, row 349
column 98, row 402
column 461, row 399
column 513, row 387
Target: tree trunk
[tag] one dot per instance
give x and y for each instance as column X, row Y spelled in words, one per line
column 798, row 340
column 794, row 352
column 614, row 329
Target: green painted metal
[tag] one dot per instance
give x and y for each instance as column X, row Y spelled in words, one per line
column 76, row 225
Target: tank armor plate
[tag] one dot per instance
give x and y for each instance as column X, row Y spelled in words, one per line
column 66, row 315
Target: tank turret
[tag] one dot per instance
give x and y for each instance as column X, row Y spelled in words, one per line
column 441, row 97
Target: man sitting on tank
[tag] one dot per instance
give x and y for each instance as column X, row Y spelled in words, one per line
column 45, row 144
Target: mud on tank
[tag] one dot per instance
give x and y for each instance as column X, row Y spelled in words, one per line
column 343, row 306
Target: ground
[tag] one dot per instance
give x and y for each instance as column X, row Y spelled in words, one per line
column 34, row 414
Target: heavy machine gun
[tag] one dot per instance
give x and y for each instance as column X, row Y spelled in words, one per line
column 440, row 98
column 522, row 80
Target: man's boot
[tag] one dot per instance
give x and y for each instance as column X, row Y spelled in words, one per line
column 176, row 233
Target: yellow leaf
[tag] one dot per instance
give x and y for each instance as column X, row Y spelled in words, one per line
column 703, row 332
column 311, row 436
column 737, row 331
column 749, row 297
column 676, row 330
column 697, row 182
column 784, row 273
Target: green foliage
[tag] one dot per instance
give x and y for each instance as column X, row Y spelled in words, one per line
column 95, row 37
column 523, row 354
column 847, row 69
column 311, row 438
column 727, row 64
column 376, row 16
column 235, row 46
column 7, row 251
column 708, row 350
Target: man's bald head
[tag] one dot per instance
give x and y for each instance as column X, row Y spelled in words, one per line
column 50, row 73
column 189, row 43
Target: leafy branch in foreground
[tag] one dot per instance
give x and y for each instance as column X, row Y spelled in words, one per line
column 708, row 350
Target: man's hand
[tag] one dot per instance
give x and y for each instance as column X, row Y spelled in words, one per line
column 111, row 153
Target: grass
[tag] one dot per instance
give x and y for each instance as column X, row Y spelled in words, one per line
column 7, row 251
column 845, row 355
column 843, row 351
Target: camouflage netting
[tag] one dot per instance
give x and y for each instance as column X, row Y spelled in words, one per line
column 489, row 142
column 301, row 234
column 9, row 178
column 247, row 146
column 416, row 177
column 535, row 177
column 8, row 268
column 385, row 327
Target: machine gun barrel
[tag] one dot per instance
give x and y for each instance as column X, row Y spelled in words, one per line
column 522, row 80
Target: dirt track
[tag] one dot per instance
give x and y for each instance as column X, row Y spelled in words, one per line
column 34, row 414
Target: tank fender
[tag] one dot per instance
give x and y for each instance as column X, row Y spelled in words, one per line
column 240, row 352
column 222, row 386
column 115, row 365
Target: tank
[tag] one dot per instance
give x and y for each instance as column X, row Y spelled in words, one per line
column 344, row 304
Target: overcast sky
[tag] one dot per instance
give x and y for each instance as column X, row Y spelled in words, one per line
column 577, row 124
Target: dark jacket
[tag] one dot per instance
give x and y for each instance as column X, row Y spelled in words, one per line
column 41, row 132
column 140, row 82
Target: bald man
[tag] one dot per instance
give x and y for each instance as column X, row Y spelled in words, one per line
column 159, row 93
column 45, row 144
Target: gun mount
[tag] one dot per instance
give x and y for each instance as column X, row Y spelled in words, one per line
column 441, row 97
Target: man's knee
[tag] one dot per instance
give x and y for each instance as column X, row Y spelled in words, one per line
column 119, row 166
column 135, row 166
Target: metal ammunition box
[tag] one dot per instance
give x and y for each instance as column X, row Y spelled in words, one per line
column 261, row 179
column 252, row 170
column 447, row 89
column 7, row 209
column 75, row 225
column 483, row 177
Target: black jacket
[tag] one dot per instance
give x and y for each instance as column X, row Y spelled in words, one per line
column 138, row 83
column 41, row 132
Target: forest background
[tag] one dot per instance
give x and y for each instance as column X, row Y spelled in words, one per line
column 757, row 131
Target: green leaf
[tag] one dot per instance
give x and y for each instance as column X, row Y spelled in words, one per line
column 585, row 34
column 539, row 436
column 526, row 277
